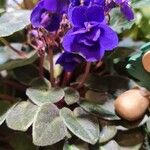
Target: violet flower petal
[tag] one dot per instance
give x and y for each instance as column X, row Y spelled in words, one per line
column 36, row 14
column 95, row 13
column 69, row 61
column 108, row 38
column 127, row 11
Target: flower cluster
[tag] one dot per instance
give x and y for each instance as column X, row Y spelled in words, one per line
column 90, row 35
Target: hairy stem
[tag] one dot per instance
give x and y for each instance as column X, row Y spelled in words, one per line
column 50, row 55
column 66, row 79
column 11, row 47
column 41, row 61
column 85, row 75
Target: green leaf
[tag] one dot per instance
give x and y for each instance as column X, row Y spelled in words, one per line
column 40, row 97
column 144, row 26
column 76, row 145
column 97, row 97
column 130, row 138
column 48, row 127
column 81, row 124
column 140, row 3
column 107, row 84
column 2, row 118
column 71, row 95
column 115, row 146
column 135, row 147
column 2, row 10
column 125, row 125
column 118, row 22
column 2, row 3
column 120, row 52
column 12, row 22
column 135, row 68
column 110, row 145
column 148, row 126
column 145, row 47
column 11, row 64
column 40, row 83
column 128, row 42
column 107, row 133
column 4, row 55
column 21, row 116
column 41, row 92
column 19, row 74
column 106, row 110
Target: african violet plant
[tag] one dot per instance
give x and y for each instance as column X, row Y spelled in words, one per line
column 74, row 75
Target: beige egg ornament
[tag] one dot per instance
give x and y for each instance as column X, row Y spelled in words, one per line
column 131, row 105
column 146, row 61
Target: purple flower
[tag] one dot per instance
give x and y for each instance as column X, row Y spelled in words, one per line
column 78, row 2
column 89, row 36
column 48, row 13
column 124, row 7
column 86, row 2
column 69, row 61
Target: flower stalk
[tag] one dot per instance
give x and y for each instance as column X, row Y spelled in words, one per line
column 41, row 61
column 85, row 75
column 11, row 47
column 66, row 79
column 51, row 63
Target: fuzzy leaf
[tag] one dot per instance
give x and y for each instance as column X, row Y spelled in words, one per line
column 140, row 3
column 41, row 97
column 2, row 118
column 110, row 145
column 148, row 125
column 21, row 116
column 82, row 125
column 106, row 110
column 118, row 22
column 32, row 73
column 40, row 83
column 71, row 96
column 130, row 138
column 41, row 92
column 48, row 127
column 125, row 125
column 107, row 84
column 115, row 146
column 107, row 133
column 12, row 22
column 135, row 67
column 11, row 64
column 76, row 145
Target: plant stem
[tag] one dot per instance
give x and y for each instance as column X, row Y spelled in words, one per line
column 50, row 55
column 99, row 64
column 66, row 79
column 41, row 61
column 85, row 75
column 11, row 47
